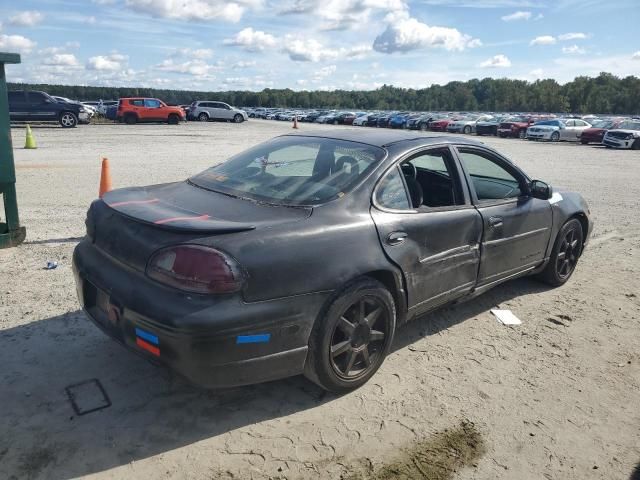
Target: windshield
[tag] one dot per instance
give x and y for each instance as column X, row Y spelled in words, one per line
column 555, row 123
column 293, row 170
column 602, row 124
column 629, row 126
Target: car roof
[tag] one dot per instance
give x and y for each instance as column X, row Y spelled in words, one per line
column 384, row 138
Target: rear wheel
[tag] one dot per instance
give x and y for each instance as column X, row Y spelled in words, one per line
column 565, row 254
column 68, row 120
column 238, row 118
column 636, row 144
column 584, row 142
column 555, row 137
column 130, row 119
column 203, row 117
column 522, row 134
column 351, row 340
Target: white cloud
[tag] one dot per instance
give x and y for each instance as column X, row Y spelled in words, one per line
column 344, row 14
column 198, row 53
column 26, row 19
column 404, row 33
column 112, row 62
column 636, row 55
column 202, row 10
column 537, row 73
column 324, row 72
column 543, row 40
column 18, row 43
column 517, row 16
column 244, row 64
column 574, row 50
column 497, row 61
column 62, row 59
column 252, row 40
column 572, row 36
column 197, row 68
column 307, row 50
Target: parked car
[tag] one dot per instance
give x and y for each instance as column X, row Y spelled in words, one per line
column 489, row 126
column 466, row 125
column 90, row 110
column 340, row 118
column 420, row 122
column 515, row 126
column 274, row 264
column 372, row 120
column 141, row 109
column 210, row 110
column 626, row 135
column 440, row 125
column 399, row 120
column 568, row 130
column 35, row 106
column 384, row 119
column 259, row 112
column 595, row 134
column 361, row 120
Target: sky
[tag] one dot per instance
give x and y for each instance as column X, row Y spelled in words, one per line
column 315, row 44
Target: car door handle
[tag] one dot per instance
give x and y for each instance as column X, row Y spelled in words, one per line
column 495, row 222
column 396, row 238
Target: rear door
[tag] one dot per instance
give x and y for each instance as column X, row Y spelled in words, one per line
column 516, row 226
column 436, row 241
column 18, row 106
column 40, row 107
column 137, row 106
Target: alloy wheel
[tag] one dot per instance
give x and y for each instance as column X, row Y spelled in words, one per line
column 358, row 339
column 68, row 120
column 568, row 254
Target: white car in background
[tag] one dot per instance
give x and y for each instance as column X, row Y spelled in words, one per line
column 555, row 130
column 626, row 136
column 467, row 125
column 361, row 120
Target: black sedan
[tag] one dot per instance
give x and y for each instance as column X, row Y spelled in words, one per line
column 305, row 253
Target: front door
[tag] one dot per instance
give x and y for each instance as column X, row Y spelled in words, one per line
column 429, row 228
column 40, row 107
column 517, row 227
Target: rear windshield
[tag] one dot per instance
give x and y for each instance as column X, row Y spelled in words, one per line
column 293, row 170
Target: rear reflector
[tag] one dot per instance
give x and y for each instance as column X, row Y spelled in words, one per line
column 148, row 347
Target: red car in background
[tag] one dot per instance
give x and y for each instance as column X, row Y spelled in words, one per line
column 516, row 126
column 595, row 134
column 440, row 125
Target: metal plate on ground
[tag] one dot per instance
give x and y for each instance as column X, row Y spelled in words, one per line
column 88, row 396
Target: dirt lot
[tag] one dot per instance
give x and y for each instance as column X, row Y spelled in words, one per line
column 460, row 396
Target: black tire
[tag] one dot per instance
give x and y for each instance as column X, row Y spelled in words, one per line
column 68, row 120
column 466, row 129
column 636, row 145
column 522, row 134
column 173, row 119
column 130, row 119
column 423, row 127
column 203, row 117
column 565, row 254
column 345, row 350
column 584, row 142
column 238, row 118
column 555, row 137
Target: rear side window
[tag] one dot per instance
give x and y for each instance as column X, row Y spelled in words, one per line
column 16, row 97
column 37, row 97
column 137, row 102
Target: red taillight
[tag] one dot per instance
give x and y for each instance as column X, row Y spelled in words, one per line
column 195, row 268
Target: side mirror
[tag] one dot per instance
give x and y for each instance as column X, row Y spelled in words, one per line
column 540, row 190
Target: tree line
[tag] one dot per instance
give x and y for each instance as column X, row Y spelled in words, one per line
column 604, row 94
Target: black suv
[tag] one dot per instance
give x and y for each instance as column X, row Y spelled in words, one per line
column 32, row 106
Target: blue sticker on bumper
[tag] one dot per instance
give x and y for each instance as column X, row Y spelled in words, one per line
column 149, row 337
column 260, row 338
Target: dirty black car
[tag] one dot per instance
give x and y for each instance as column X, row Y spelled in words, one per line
column 302, row 255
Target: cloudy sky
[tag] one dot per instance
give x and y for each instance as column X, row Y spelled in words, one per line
column 315, row 44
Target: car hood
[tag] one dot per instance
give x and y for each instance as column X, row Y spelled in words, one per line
column 182, row 206
column 594, row 130
column 635, row 133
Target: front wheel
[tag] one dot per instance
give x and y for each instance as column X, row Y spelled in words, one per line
column 555, row 137
column 565, row 254
column 351, row 340
column 238, row 118
column 173, row 119
column 636, row 145
column 68, row 120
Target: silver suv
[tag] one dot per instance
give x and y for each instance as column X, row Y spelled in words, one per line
column 206, row 110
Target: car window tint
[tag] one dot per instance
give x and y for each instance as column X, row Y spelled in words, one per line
column 391, row 192
column 570, row 123
column 151, row 103
column 37, row 97
column 491, row 181
column 431, row 161
column 16, row 97
column 137, row 103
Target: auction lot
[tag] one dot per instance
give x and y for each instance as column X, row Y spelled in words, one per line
column 557, row 397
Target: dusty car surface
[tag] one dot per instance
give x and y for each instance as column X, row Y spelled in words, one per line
column 305, row 253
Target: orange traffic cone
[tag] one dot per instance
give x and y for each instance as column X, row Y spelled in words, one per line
column 295, row 121
column 105, row 178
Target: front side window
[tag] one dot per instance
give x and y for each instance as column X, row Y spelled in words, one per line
column 152, row 103
column 293, row 170
column 391, row 192
column 491, row 180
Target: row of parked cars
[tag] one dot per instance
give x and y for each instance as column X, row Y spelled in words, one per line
column 36, row 106
column 611, row 132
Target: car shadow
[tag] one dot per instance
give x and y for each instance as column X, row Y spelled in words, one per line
column 152, row 411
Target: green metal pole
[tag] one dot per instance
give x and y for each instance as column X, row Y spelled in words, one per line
column 11, row 233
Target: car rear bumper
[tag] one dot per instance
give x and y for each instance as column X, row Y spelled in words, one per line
column 211, row 341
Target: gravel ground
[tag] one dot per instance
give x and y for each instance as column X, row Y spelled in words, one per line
column 557, row 397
